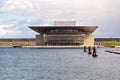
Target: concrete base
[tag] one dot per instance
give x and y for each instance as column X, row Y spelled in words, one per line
column 52, row 47
column 82, row 46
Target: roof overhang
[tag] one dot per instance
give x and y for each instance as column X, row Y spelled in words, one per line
column 41, row 29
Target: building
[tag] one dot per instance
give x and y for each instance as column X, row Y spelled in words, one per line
column 64, row 33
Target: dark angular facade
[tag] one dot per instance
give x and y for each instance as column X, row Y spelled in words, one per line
column 64, row 35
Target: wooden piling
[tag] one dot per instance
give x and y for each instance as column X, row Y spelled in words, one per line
column 94, row 52
column 89, row 50
column 85, row 49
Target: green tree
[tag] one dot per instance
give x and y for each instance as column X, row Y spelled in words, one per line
column 110, row 43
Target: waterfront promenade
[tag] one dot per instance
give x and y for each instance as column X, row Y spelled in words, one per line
column 82, row 46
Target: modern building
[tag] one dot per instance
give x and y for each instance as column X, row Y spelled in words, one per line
column 64, row 33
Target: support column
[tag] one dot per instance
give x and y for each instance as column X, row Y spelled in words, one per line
column 40, row 40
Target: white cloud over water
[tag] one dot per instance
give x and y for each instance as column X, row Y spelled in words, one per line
column 104, row 13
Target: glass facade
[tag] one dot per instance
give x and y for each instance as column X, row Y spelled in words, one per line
column 64, row 35
column 65, row 39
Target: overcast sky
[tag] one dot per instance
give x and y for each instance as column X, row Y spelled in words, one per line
column 17, row 15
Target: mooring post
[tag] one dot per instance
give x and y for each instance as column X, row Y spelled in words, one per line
column 84, row 48
column 89, row 50
column 95, row 51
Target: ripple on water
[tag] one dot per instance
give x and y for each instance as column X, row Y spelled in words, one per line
column 57, row 64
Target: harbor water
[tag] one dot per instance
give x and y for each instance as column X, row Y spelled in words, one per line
column 58, row 64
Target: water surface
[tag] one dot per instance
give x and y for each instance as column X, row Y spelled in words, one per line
column 57, row 64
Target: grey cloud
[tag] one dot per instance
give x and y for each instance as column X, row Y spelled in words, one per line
column 104, row 13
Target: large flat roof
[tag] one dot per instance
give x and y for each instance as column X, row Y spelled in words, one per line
column 39, row 29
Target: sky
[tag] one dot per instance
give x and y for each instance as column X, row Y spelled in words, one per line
column 17, row 15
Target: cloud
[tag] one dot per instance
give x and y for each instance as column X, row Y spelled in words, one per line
column 66, row 10
column 50, row 10
column 13, row 29
column 8, row 28
column 9, row 5
column 103, row 13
